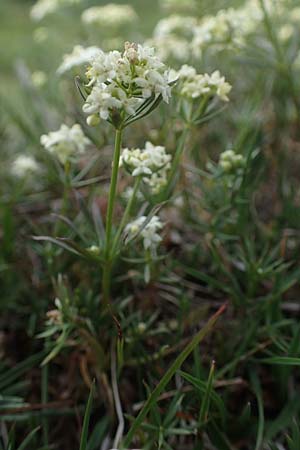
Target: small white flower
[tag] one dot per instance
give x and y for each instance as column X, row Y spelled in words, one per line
column 38, row 78
column 104, row 67
column 175, row 25
column 222, row 87
column 195, row 87
column 94, row 250
column 127, row 194
column 66, row 143
column 24, row 165
column 149, row 232
column 187, row 72
column 79, row 56
column 101, row 101
column 172, row 37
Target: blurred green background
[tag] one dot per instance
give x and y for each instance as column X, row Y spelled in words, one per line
column 17, row 29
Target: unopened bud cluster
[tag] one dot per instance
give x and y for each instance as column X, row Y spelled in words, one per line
column 231, row 161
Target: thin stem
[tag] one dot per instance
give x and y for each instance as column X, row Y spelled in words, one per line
column 65, row 198
column 126, row 214
column 176, row 160
column 44, row 399
column 117, row 400
column 202, row 107
column 110, row 210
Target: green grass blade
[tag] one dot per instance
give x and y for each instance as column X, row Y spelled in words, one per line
column 28, row 438
column 44, row 399
column 261, row 419
column 282, row 360
column 218, row 439
column 86, row 420
column 169, row 374
column 203, row 416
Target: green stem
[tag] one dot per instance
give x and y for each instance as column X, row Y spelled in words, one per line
column 65, row 198
column 202, row 108
column 44, row 399
column 110, row 210
column 176, row 161
column 126, row 214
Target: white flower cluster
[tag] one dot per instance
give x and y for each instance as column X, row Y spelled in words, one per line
column 109, row 16
column 195, row 85
column 43, row 8
column 175, row 24
column 66, row 143
column 79, row 56
column 172, row 35
column 230, row 27
column 152, row 163
column 182, row 37
column 121, row 82
column 231, row 161
column 24, row 165
column 148, row 232
column 224, row 29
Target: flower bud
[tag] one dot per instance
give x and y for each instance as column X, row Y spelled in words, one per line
column 93, row 120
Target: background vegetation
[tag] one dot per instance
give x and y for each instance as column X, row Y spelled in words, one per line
column 230, row 239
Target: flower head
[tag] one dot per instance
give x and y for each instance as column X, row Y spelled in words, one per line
column 152, row 163
column 24, row 165
column 66, row 143
column 120, row 82
column 147, row 231
column 172, row 36
column 195, row 85
column 175, row 25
